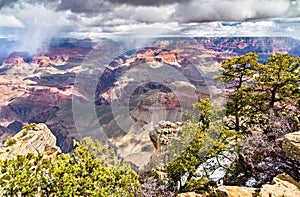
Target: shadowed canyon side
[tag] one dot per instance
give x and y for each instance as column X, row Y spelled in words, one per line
column 153, row 83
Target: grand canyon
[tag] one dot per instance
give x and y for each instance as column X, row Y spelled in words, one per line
column 98, row 88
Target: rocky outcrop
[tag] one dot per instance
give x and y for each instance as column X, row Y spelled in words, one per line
column 290, row 145
column 163, row 133
column 160, row 137
column 14, row 59
column 42, row 61
column 151, row 55
column 282, row 185
column 235, row 191
column 191, row 194
column 36, row 139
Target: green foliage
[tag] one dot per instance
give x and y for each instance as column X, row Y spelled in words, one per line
column 28, row 126
column 24, row 132
column 203, row 137
column 277, row 82
column 259, row 88
column 261, row 95
column 237, row 73
column 10, row 141
column 256, row 91
column 83, row 173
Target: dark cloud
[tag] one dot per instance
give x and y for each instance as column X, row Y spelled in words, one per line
column 12, row 3
column 4, row 3
column 148, row 2
column 100, row 6
column 85, row 6
column 90, row 6
column 184, row 10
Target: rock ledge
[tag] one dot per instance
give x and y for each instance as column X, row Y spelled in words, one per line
column 33, row 138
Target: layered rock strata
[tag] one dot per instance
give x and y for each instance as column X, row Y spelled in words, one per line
column 36, row 139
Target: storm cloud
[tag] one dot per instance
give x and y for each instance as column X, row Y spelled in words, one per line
column 86, row 6
column 183, row 11
column 189, row 10
column 233, row 10
column 43, row 19
column 149, row 3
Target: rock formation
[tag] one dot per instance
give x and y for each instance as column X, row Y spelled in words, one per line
column 160, row 137
column 281, row 186
column 36, row 139
column 235, row 191
column 163, row 133
column 14, row 59
column 290, row 145
column 191, row 194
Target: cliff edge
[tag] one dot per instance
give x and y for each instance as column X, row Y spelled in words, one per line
column 33, row 138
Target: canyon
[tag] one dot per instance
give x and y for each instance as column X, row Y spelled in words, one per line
column 92, row 88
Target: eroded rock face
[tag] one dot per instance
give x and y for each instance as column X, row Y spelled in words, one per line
column 163, row 133
column 282, row 185
column 14, row 59
column 160, row 137
column 36, row 139
column 235, row 191
column 190, row 194
column 290, row 145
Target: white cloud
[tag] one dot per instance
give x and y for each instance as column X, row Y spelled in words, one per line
column 148, row 14
column 39, row 24
column 10, row 21
column 231, row 10
column 251, row 28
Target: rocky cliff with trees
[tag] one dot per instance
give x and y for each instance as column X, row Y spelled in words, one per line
column 249, row 147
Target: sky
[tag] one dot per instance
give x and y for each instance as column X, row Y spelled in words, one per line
column 39, row 20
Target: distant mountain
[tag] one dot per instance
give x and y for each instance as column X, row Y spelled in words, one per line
column 72, row 43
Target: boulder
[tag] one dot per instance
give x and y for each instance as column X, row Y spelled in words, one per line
column 282, row 185
column 191, row 194
column 235, row 191
column 290, row 145
column 35, row 138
